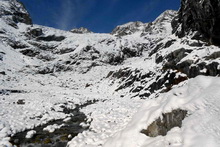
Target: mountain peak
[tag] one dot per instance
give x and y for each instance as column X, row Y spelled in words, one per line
column 128, row 28
column 81, row 30
column 13, row 11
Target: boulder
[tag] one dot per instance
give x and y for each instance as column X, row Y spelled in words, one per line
column 168, row 121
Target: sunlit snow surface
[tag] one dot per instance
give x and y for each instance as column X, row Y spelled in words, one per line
column 199, row 96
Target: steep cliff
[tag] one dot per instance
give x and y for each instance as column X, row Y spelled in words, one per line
column 200, row 19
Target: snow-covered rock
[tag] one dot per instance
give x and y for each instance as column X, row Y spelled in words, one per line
column 81, row 30
column 129, row 28
column 30, row 134
column 198, row 96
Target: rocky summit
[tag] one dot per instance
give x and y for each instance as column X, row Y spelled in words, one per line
column 142, row 85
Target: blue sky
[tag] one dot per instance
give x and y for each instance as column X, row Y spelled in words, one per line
column 100, row 16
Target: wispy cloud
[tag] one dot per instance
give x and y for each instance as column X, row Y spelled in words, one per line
column 68, row 10
column 71, row 13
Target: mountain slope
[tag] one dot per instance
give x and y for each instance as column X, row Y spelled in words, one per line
column 106, row 89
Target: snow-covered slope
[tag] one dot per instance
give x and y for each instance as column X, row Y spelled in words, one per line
column 105, row 89
column 198, row 96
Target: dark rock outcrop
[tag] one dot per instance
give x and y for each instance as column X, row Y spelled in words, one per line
column 201, row 17
column 128, row 29
column 29, row 52
column 13, row 12
column 35, row 32
column 168, row 121
column 81, row 30
column 51, row 38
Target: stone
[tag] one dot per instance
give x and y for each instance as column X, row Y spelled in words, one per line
column 36, row 32
column 2, row 73
column 169, row 43
column 51, row 38
column 29, row 52
column 159, row 58
column 81, row 30
column 21, row 102
column 214, row 55
column 164, row 125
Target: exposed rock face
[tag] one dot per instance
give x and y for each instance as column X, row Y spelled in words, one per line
column 51, row 38
column 169, row 121
column 128, row 28
column 201, row 16
column 81, row 30
column 13, row 12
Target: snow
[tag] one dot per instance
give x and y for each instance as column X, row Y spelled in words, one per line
column 52, row 128
column 30, row 134
column 199, row 96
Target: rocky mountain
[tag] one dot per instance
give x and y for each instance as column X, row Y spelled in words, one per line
column 200, row 17
column 129, row 28
column 144, row 84
column 14, row 12
column 81, row 30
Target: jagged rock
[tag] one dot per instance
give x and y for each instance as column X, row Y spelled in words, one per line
column 195, row 70
column 89, row 53
column 159, row 27
column 121, row 73
column 130, row 52
column 51, row 38
column 213, row 69
column 21, row 102
column 81, row 30
column 2, row 73
column 144, row 95
column 166, row 81
column 199, row 16
column 114, row 59
column 8, row 91
column 13, row 12
column 29, row 52
column 177, row 55
column 1, row 56
column 128, row 28
column 45, row 57
column 45, row 70
column 35, row 32
column 159, row 58
column 156, row 49
column 214, row 55
column 43, row 46
column 174, row 57
column 64, row 51
column 109, row 74
column 169, row 43
column 164, row 125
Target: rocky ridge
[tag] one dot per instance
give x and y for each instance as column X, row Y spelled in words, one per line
column 81, row 30
column 200, row 19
